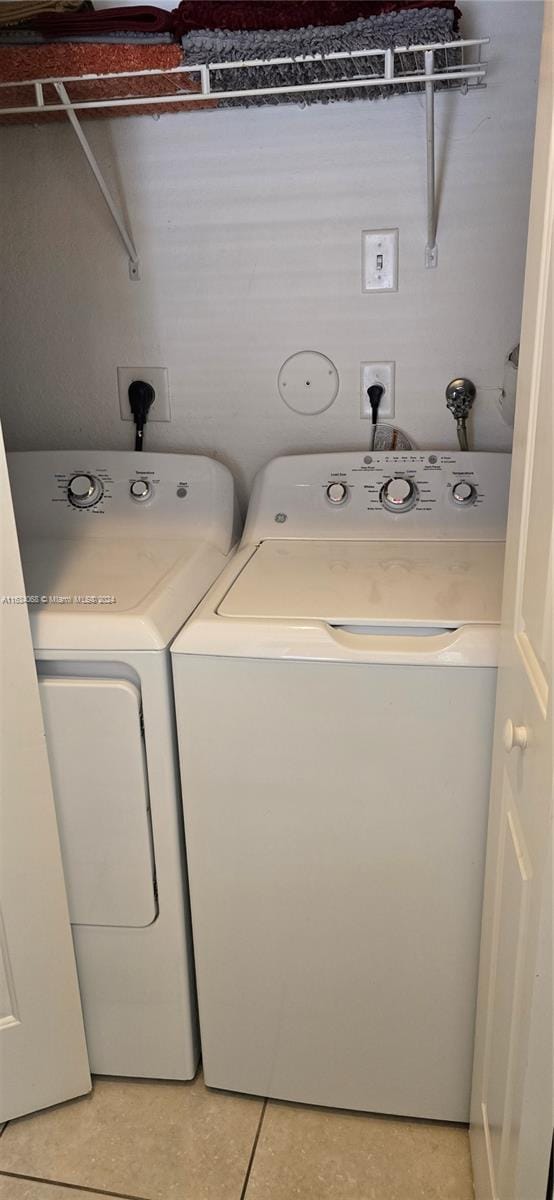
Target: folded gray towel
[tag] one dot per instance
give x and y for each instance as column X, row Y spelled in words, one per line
column 412, row 27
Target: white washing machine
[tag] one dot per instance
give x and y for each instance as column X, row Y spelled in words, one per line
column 335, row 694
column 117, row 550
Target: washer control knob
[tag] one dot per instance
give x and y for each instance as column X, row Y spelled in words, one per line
column 141, row 489
column 337, row 493
column 399, row 494
column 83, row 491
column 464, row 492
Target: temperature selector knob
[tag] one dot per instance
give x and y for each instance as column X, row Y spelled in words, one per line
column 337, row 493
column 84, row 491
column 398, row 495
column 464, row 492
column 141, row 489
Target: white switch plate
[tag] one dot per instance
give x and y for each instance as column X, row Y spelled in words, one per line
column 158, row 377
column 380, row 260
column 383, row 373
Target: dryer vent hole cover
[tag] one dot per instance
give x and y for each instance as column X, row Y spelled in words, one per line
column 308, row 382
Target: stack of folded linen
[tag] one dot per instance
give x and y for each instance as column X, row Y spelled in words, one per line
column 56, row 60
column 56, row 39
column 387, row 25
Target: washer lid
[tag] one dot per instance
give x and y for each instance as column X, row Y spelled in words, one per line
column 112, row 593
column 444, row 584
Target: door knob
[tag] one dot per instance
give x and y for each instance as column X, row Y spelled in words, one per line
column 514, row 736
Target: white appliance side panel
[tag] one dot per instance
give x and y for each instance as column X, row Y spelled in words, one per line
column 100, row 786
column 335, row 844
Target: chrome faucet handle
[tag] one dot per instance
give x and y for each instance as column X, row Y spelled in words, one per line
column 460, row 395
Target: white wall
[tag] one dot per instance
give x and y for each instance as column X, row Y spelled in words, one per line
column 248, row 225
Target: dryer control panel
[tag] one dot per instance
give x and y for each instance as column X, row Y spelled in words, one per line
column 111, row 494
column 408, row 495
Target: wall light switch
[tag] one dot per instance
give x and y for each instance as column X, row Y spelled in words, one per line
column 158, row 377
column 383, row 373
column 380, row 260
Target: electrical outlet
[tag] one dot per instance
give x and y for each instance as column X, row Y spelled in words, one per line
column 383, row 373
column 380, row 260
column 158, row 377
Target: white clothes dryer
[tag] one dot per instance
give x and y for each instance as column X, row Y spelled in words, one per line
column 335, row 697
column 117, row 550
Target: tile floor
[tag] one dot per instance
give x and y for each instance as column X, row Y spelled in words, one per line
column 165, row 1141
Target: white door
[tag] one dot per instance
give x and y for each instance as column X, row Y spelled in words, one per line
column 43, row 1055
column 512, row 1115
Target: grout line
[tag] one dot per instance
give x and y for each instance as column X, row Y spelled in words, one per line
column 72, row 1187
column 253, row 1152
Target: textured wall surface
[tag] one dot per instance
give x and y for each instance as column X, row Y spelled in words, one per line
column 248, row 225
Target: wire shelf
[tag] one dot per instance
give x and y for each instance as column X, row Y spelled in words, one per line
column 362, row 69
column 422, row 68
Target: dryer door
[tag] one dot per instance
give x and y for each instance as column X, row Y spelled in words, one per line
column 98, row 768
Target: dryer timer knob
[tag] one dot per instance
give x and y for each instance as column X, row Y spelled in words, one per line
column 84, row 491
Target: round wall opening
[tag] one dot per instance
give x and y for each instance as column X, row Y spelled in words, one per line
column 308, row 382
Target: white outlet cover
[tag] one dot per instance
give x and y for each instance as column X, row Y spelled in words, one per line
column 380, row 260
column 158, row 377
column 308, row 382
column 377, row 372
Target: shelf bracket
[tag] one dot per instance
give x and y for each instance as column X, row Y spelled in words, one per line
column 134, row 263
column 431, row 248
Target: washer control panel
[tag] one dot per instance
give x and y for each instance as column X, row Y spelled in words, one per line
column 409, row 495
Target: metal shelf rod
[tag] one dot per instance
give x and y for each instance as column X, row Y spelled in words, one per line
column 193, row 97
column 431, row 252
column 134, row 264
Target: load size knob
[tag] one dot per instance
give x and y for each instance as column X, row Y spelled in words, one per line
column 141, row 489
column 398, row 494
column 84, row 491
column 464, row 492
column 337, row 493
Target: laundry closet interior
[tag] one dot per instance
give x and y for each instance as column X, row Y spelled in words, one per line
column 261, row 357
